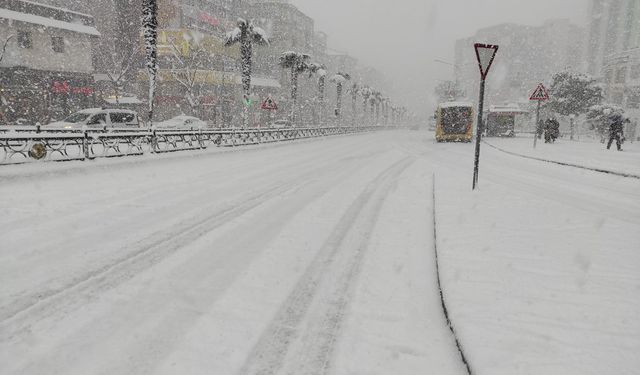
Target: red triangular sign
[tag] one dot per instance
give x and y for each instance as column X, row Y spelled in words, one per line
column 485, row 53
column 541, row 93
column 270, row 104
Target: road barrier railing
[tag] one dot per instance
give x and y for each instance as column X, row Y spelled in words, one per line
column 28, row 144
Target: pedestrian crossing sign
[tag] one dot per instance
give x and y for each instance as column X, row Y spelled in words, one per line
column 540, row 93
column 269, row 104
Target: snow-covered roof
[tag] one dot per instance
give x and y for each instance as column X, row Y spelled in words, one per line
column 506, row 109
column 57, row 8
column 455, row 104
column 48, row 22
column 264, row 82
column 123, row 100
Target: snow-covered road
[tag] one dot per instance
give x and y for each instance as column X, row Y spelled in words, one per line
column 317, row 257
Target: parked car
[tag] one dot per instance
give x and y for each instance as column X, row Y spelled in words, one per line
column 280, row 124
column 182, row 122
column 98, row 118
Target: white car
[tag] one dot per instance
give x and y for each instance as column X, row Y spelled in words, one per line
column 182, row 123
column 98, row 118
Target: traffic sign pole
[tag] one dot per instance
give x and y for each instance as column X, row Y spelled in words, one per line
column 535, row 131
column 485, row 53
column 479, row 129
column 539, row 94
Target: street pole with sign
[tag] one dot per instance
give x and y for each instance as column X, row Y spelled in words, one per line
column 539, row 94
column 485, row 53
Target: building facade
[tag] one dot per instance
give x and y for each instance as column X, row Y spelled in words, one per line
column 527, row 56
column 614, row 51
column 47, row 66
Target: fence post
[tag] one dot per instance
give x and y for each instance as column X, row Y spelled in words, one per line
column 85, row 145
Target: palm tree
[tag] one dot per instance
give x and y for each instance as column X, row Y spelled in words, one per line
column 321, row 71
column 339, row 79
column 298, row 63
column 375, row 103
column 150, row 32
column 354, row 90
column 246, row 34
column 365, row 92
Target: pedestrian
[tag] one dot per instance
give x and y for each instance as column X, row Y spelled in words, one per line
column 616, row 132
column 551, row 130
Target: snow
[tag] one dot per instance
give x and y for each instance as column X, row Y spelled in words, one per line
column 261, row 34
column 48, row 22
column 317, row 257
column 455, row 104
column 589, row 154
column 233, row 36
column 540, row 266
column 39, row 4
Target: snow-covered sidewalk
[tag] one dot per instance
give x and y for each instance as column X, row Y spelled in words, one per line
column 587, row 154
column 540, row 264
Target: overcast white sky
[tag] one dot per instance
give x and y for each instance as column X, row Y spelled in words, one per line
column 402, row 37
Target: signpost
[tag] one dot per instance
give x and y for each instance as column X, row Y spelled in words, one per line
column 485, row 53
column 539, row 94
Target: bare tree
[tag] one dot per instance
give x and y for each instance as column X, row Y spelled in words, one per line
column 185, row 71
column 4, row 47
column 246, row 34
column 122, row 64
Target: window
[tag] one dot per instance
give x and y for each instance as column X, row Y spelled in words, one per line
column 633, row 101
column 635, row 72
column 122, row 118
column 24, row 39
column 99, row 119
column 621, row 75
column 608, row 76
column 57, row 44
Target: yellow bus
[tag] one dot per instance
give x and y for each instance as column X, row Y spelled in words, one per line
column 454, row 122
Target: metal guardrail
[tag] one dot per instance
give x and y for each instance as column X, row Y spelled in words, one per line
column 28, row 144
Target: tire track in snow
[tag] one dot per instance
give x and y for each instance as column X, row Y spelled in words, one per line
column 150, row 252
column 284, row 332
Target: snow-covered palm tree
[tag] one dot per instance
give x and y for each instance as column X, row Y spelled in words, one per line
column 339, row 79
column 297, row 63
column 365, row 92
column 321, row 71
column 246, row 34
column 354, row 90
column 376, row 100
column 150, row 33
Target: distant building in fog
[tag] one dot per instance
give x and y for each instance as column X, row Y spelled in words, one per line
column 527, row 56
column 613, row 51
column 46, row 70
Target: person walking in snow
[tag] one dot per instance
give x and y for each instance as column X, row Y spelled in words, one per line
column 616, row 131
column 551, row 130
